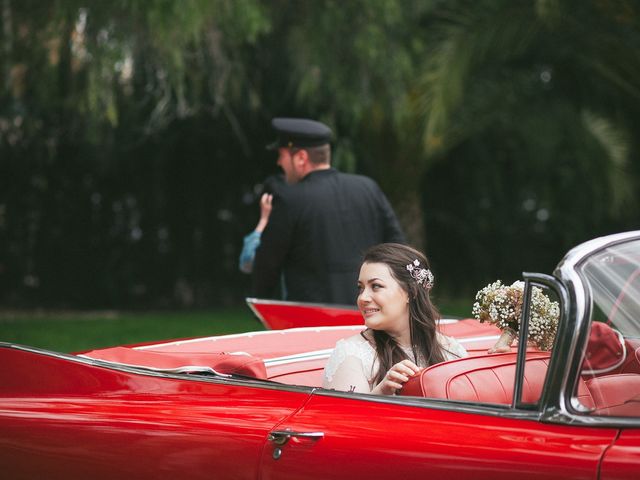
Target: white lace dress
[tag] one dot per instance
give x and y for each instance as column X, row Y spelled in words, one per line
column 353, row 364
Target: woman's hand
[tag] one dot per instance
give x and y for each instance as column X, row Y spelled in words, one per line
column 396, row 377
column 266, row 204
column 503, row 345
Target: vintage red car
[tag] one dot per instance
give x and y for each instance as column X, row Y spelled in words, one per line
column 251, row 406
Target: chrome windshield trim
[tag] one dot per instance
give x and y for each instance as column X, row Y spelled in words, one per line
column 579, row 252
column 579, row 313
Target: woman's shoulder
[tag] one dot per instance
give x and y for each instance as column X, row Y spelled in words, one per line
column 353, row 347
column 355, row 343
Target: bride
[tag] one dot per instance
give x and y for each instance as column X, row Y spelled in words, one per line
column 401, row 335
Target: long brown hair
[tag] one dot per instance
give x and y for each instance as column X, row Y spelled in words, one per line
column 423, row 315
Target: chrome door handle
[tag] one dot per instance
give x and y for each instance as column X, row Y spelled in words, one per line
column 280, row 437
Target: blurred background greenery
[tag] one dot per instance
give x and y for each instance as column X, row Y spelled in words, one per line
column 74, row 331
column 85, row 330
column 132, row 137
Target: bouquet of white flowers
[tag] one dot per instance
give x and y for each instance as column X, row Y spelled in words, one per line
column 501, row 305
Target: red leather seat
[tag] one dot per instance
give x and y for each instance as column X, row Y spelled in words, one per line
column 606, row 350
column 486, row 379
column 616, row 395
column 490, row 379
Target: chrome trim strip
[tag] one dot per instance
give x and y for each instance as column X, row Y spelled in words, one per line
column 299, row 357
column 447, row 321
column 249, row 335
column 477, row 339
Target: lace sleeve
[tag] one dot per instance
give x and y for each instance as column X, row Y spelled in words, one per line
column 349, row 366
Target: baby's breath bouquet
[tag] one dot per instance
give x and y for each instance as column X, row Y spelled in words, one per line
column 501, row 305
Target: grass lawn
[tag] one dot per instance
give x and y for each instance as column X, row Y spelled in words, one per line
column 76, row 331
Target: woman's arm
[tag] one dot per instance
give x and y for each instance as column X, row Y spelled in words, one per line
column 348, row 376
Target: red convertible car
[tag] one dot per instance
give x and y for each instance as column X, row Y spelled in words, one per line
column 251, row 406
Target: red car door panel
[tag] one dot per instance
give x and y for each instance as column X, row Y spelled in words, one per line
column 364, row 439
column 63, row 419
column 622, row 460
column 218, row 433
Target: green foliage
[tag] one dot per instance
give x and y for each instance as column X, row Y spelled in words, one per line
column 69, row 332
column 356, row 58
column 132, row 133
column 526, row 99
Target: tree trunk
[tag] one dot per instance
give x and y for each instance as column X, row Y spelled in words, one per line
column 409, row 211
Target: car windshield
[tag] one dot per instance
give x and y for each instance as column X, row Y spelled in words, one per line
column 613, row 278
column 609, row 383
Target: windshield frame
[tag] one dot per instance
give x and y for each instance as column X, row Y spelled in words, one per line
column 577, row 322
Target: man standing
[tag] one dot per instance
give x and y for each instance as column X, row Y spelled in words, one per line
column 320, row 226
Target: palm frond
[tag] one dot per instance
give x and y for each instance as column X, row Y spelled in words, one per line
column 615, row 142
column 463, row 40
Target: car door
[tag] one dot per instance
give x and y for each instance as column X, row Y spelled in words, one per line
column 622, row 460
column 344, row 436
column 62, row 419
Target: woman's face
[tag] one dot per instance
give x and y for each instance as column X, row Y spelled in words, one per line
column 382, row 301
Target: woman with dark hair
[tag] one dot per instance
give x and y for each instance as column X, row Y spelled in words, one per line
column 401, row 335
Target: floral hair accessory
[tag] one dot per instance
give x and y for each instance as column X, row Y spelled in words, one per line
column 422, row 276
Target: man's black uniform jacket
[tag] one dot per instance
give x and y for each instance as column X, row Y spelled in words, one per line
column 318, row 230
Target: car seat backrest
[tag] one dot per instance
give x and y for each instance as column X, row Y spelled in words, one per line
column 616, row 395
column 486, row 379
column 606, row 350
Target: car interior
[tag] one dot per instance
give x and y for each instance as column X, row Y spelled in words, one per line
column 606, row 387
